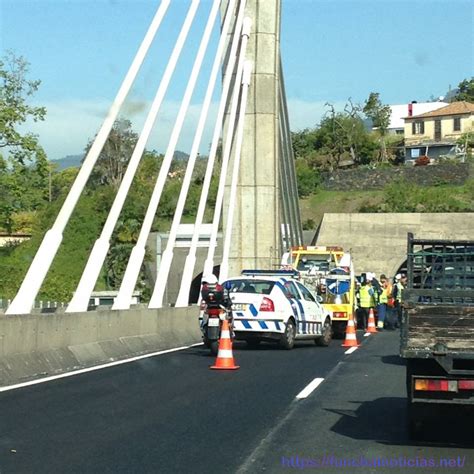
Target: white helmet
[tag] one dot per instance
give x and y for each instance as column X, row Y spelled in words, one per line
column 210, row 279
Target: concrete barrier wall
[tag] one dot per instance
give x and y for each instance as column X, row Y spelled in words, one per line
column 44, row 344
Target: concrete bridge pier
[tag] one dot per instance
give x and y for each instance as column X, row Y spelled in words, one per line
column 256, row 236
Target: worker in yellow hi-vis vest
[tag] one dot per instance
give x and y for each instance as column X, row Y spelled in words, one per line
column 384, row 296
column 367, row 299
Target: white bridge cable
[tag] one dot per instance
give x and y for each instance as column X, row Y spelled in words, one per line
column 239, row 32
column 294, row 201
column 167, row 256
column 96, row 259
column 285, row 184
column 137, row 256
column 24, row 299
column 235, row 172
column 209, row 263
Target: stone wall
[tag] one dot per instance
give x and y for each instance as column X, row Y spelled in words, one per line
column 361, row 179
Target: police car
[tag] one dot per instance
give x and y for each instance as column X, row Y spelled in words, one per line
column 273, row 305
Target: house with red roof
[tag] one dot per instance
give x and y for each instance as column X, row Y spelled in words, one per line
column 437, row 132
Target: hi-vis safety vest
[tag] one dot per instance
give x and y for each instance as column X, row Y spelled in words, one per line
column 383, row 298
column 366, row 299
column 400, row 289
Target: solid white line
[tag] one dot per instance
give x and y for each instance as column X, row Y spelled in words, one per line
column 351, row 350
column 367, row 334
column 96, row 367
column 309, row 388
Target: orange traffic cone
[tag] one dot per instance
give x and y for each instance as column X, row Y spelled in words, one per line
column 371, row 326
column 225, row 360
column 351, row 338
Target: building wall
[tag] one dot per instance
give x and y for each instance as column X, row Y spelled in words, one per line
column 447, row 132
column 6, row 239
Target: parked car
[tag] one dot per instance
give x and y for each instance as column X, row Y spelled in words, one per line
column 273, row 306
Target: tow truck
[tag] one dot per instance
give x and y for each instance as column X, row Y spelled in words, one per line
column 328, row 271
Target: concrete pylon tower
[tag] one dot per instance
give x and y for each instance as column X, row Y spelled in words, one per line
column 256, row 236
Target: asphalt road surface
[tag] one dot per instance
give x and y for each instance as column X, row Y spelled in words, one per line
column 171, row 414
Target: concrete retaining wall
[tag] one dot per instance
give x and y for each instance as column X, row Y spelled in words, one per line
column 39, row 345
column 378, row 242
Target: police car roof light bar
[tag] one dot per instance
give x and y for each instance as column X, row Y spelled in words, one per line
column 289, row 273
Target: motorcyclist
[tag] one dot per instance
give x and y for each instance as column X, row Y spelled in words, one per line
column 215, row 296
column 212, row 292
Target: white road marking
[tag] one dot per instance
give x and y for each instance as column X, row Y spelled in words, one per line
column 96, row 367
column 367, row 334
column 351, row 350
column 309, row 388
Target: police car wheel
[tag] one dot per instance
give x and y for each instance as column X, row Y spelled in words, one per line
column 287, row 340
column 326, row 338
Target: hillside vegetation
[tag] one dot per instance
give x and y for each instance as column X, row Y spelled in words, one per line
column 32, row 189
column 396, row 197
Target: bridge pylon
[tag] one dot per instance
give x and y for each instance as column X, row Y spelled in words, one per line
column 266, row 217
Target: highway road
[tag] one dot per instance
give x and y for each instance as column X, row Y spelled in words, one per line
column 171, row 414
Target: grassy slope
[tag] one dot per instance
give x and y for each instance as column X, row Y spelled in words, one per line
column 314, row 206
column 458, row 198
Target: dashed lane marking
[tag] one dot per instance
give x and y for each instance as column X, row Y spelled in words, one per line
column 351, row 350
column 308, row 390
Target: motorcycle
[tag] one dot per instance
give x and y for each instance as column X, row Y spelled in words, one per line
column 213, row 315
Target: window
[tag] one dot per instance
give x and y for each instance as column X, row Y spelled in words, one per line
column 291, row 291
column 261, row 287
column 306, row 294
column 457, row 124
column 418, row 128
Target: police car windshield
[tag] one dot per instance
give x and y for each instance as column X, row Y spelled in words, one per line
column 261, row 287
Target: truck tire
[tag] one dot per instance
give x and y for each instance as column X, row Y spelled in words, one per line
column 287, row 340
column 326, row 338
column 338, row 329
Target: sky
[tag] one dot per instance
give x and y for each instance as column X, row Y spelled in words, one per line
column 332, row 50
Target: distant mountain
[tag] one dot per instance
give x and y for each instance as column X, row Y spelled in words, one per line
column 180, row 155
column 74, row 161
column 69, row 161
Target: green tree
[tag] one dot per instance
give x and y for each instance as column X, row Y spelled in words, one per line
column 15, row 90
column 380, row 116
column 465, row 91
column 307, row 178
column 114, row 157
column 342, row 136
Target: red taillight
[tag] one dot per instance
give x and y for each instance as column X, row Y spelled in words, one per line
column 466, row 384
column 214, row 312
column 436, row 385
column 267, row 305
column 338, row 314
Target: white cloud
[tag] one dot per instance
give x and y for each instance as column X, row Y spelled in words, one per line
column 69, row 125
